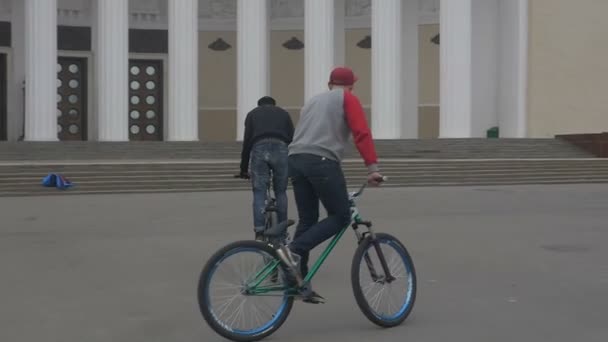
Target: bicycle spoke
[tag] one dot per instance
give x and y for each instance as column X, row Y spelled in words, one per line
column 239, row 310
column 226, row 305
column 385, row 299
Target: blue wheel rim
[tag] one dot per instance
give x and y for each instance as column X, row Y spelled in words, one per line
column 410, row 278
column 251, row 332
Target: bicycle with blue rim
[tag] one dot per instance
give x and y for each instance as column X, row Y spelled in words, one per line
column 245, row 292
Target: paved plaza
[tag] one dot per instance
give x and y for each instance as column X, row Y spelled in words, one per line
column 494, row 264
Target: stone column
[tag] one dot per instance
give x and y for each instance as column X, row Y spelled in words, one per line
column 319, row 45
column 340, row 32
column 387, row 68
column 112, row 70
column 469, row 67
column 513, row 68
column 253, row 80
column 410, row 67
column 183, row 70
column 15, row 92
column 41, row 70
column 455, row 68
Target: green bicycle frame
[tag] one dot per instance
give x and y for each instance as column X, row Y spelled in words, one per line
column 261, row 275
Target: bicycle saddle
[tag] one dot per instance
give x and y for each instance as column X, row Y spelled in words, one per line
column 279, row 229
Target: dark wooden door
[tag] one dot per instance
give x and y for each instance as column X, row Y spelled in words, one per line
column 146, row 99
column 72, row 98
column 3, row 96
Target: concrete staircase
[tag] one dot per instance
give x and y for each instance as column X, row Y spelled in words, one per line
column 405, row 149
column 187, row 167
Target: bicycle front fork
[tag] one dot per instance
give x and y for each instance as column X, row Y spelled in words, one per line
column 388, row 277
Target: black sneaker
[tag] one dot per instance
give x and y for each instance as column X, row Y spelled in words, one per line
column 312, row 297
column 292, row 260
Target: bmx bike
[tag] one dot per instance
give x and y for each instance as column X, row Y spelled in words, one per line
column 241, row 300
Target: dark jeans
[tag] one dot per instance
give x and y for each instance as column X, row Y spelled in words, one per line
column 315, row 179
column 266, row 155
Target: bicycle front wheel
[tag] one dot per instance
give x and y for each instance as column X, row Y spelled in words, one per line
column 237, row 295
column 385, row 302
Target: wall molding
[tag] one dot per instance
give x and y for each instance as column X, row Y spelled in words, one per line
column 221, row 24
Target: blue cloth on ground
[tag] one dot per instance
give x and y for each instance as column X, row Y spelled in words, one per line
column 56, row 180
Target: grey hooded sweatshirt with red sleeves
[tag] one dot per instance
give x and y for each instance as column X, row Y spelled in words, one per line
column 326, row 123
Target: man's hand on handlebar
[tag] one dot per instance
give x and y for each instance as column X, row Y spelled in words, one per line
column 375, row 178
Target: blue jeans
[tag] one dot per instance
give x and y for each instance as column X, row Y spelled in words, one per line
column 315, row 179
column 266, row 155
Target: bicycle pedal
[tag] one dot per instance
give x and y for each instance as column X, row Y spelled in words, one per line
column 313, row 301
column 311, row 297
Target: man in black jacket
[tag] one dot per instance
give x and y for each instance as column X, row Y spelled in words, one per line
column 268, row 132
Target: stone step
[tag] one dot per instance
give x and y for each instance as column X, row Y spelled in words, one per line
column 9, row 174
column 121, row 171
column 37, row 191
column 228, row 173
column 350, row 163
column 169, row 167
column 425, row 148
column 395, row 179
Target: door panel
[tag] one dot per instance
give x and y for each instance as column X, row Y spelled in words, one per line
column 72, row 98
column 146, row 100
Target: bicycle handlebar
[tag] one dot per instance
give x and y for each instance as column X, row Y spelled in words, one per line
column 358, row 193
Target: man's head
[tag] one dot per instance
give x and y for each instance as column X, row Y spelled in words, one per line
column 342, row 77
column 267, row 101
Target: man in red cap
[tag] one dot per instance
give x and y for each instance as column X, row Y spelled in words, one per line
column 326, row 123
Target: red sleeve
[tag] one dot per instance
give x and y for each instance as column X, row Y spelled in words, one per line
column 355, row 117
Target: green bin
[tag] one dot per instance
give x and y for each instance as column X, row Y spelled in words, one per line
column 492, row 132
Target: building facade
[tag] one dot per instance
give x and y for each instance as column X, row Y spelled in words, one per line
column 188, row 70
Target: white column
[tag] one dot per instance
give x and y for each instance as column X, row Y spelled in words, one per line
column 319, row 48
column 386, row 69
column 410, row 67
column 455, row 68
column 340, row 32
column 183, row 70
column 513, row 66
column 16, row 105
column 41, row 70
column 469, row 67
column 484, row 69
column 112, row 70
column 253, row 75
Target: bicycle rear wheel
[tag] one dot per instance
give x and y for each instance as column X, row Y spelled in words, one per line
column 226, row 297
column 385, row 303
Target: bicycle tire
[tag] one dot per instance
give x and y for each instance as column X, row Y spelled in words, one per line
column 362, row 302
column 203, row 297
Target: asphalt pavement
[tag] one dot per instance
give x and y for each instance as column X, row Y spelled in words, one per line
column 522, row 263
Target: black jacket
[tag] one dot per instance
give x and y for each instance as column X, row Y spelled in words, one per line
column 265, row 122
